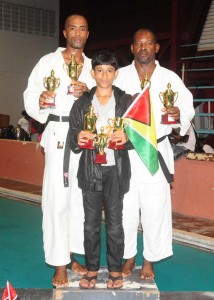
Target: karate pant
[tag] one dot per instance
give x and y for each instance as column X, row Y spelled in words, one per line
column 153, row 200
column 63, row 214
column 113, row 205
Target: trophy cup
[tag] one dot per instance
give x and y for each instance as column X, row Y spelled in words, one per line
column 89, row 125
column 101, row 140
column 51, row 83
column 73, row 71
column 168, row 98
column 116, row 124
column 144, row 81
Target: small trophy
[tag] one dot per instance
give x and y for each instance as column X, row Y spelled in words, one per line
column 73, row 71
column 101, row 140
column 89, row 125
column 168, row 99
column 144, row 81
column 116, row 124
column 51, row 83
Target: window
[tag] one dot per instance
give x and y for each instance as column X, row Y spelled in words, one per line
column 25, row 19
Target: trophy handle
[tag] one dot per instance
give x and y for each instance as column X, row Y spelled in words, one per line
column 176, row 96
column 110, row 122
column 57, row 83
column 45, row 82
column 123, row 125
column 161, row 95
column 78, row 67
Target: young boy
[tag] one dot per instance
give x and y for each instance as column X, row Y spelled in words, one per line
column 102, row 184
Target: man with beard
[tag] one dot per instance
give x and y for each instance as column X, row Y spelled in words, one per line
column 151, row 194
column 62, row 206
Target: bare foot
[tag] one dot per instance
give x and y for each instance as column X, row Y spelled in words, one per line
column 78, row 268
column 128, row 267
column 60, row 277
column 115, row 280
column 88, row 281
column 147, row 271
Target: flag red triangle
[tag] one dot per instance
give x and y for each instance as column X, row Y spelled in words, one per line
column 9, row 293
column 140, row 111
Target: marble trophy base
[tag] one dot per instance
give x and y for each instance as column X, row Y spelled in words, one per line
column 115, row 146
column 88, row 145
column 165, row 119
column 100, row 158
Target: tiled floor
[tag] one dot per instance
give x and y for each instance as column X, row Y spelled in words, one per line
column 195, row 225
column 20, row 186
column 192, row 225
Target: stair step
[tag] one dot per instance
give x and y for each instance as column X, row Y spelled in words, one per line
column 134, row 288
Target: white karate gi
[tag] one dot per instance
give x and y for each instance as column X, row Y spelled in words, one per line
column 151, row 194
column 62, row 207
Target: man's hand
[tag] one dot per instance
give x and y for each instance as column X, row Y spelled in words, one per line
column 173, row 112
column 43, row 103
column 79, row 88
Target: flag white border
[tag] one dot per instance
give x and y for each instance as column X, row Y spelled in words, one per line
column 133, row 103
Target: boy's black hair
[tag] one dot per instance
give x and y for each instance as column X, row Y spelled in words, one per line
column 105, row 57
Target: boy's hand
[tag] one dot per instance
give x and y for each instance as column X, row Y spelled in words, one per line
column 119, row 136
column 84, row 136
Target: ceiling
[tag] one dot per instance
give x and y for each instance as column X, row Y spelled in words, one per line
column 112, row 24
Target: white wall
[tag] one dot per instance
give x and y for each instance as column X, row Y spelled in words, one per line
column 207, row 37
column 19, row 52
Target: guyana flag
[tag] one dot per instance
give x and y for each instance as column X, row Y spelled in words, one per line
column 140, row 129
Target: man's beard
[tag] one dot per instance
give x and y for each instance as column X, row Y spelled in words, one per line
column 77, row 45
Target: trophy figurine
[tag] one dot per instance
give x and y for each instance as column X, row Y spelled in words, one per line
column 116, row 124
column 168, row 99
column 51, row 83
column 144, row 81
column 101, row 140
column 73, row 71
column 89, row 125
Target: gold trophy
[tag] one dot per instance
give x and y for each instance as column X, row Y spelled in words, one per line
column 144, row 81
column 89, row 125
column 116, row 124
column 73, row 70
column 101, row 140
column 168, row 98
column 51, row 83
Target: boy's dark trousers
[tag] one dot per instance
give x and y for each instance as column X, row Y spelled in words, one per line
column 113, row 206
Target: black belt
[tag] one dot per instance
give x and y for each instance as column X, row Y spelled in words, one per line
column 169, row 177
column 58, row 118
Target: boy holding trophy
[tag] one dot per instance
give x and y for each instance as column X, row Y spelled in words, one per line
column 103, row 173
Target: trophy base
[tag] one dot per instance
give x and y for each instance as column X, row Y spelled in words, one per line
column 100, row 158
column 70, row 90
column 165, row 119
column 50, row 102
column 115, row 146
column 88, row 145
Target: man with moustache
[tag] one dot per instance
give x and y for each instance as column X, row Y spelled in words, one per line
column 151, row 194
